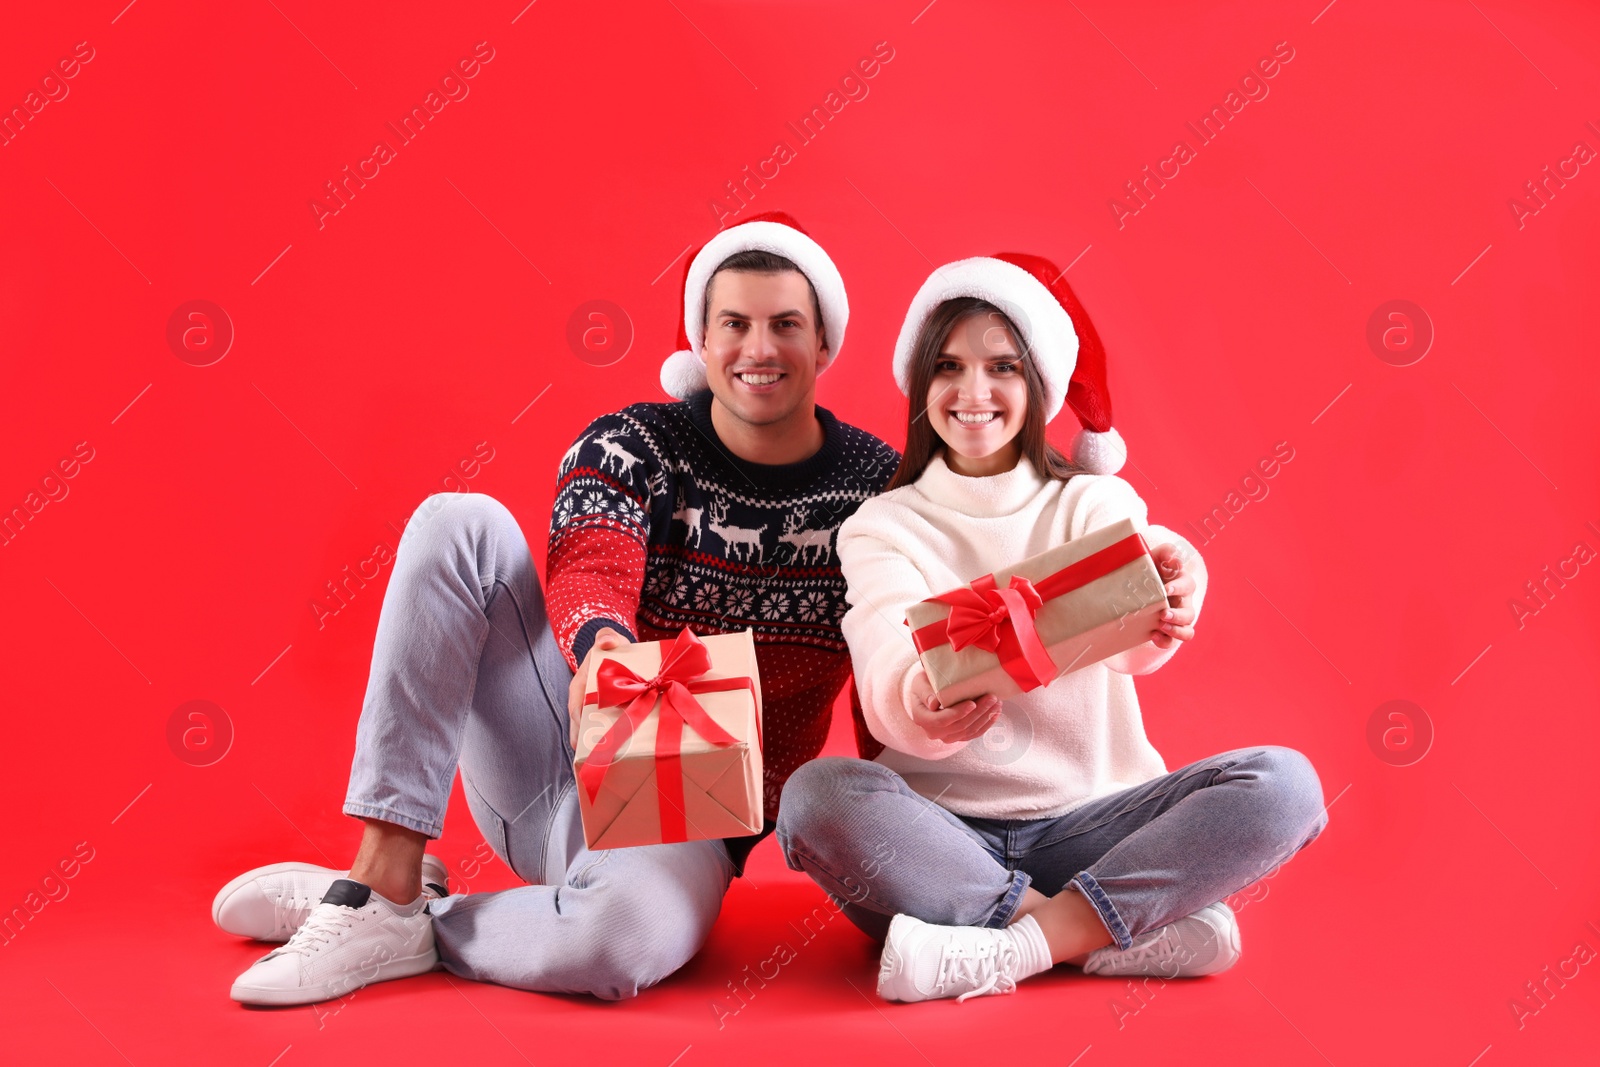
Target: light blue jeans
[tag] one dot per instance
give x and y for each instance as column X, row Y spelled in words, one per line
column 465, row 671
column 1143, row 856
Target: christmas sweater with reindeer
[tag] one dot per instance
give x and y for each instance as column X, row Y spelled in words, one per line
column 657, row 526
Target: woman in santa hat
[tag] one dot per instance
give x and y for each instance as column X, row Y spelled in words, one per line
column 991, row 840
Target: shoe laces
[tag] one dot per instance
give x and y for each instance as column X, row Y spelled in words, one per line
column 322, row 926
column 287, row 907
column 987, row 966
column 1160, row 954
column 1157, row 954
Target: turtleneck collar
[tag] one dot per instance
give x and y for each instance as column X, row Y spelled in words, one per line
column 987, row 497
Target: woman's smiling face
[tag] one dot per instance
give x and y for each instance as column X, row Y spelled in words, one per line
column 978, row 398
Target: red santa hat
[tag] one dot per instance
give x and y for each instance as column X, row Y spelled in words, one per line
column 1054, row 328
column 684, row 372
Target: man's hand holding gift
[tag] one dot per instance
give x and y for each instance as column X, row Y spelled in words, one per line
column 605, row 639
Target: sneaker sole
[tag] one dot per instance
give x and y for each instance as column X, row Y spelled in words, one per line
column 431, row 864
column 421, row 963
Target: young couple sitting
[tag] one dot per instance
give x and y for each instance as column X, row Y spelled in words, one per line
column 746, row 505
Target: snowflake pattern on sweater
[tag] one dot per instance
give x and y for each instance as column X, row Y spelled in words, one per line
column 656, row 526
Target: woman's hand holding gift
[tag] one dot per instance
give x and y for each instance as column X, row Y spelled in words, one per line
column 1177, row 621
column 956, row 724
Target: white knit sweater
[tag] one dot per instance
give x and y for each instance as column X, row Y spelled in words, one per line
column 1080, row 737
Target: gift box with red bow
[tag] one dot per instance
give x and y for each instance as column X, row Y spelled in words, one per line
column 1026, row 625
column 669, row 742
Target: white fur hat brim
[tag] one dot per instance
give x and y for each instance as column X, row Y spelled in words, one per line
column 684, row 372
column 1045, row 326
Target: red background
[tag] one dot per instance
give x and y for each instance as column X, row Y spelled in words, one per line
column 373, row 353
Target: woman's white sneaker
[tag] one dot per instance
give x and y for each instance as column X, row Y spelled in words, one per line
column 1206, row 942
column 922, row 961
column 269, row 903
column 352, row 938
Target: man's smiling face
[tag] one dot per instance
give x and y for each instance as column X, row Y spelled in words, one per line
column 763, row 344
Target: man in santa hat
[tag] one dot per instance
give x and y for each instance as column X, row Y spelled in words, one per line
column 718, row 513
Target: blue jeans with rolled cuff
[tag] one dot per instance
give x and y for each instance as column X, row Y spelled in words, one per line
column 1142, row 857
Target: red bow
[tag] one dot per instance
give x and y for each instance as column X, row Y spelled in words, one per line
column 675, row 684
column 980, row 611
column 1001, row 621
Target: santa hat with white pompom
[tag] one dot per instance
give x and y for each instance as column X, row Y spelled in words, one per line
column 1055, row 330
column 684, row 372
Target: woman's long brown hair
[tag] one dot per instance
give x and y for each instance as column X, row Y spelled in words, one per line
column 923, row 443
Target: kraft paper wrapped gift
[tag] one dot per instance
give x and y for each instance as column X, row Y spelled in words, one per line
column 669, row 742
column 1024, row 626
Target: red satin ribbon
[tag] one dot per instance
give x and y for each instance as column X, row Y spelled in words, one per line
column 674, row 685
column 1002, row 620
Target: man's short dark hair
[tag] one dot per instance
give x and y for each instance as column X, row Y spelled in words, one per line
column 755, row 261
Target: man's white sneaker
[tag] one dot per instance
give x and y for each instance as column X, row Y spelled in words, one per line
column 922, row 961
column 269, row 903
column 1203, row 943
column 352, row 938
